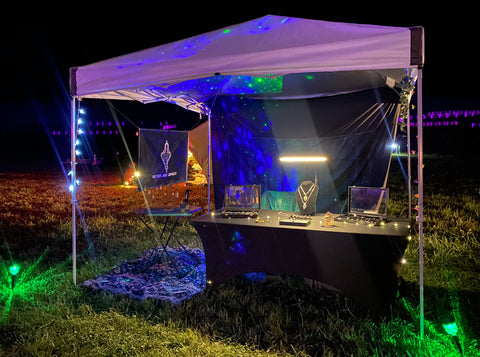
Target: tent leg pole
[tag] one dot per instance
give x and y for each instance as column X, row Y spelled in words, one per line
column 209, row 156
column 73, row 138
column 420, row 194
column 409, row 169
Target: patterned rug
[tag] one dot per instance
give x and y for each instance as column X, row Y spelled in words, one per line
column 174, row 277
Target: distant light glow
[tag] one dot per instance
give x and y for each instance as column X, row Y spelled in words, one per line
column 303, row 158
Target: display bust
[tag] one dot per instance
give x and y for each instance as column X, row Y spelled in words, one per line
column 306, row 196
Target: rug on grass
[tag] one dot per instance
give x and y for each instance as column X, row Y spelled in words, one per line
column 156, row 276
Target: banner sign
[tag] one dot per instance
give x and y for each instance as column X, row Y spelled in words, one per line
column 162, row 157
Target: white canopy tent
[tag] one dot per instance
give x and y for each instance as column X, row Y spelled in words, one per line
column 268, row 46
column 313, row 58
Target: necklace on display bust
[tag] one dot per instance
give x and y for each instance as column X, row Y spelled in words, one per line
column 306, row 197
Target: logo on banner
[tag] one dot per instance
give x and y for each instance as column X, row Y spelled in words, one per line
column 165, row 155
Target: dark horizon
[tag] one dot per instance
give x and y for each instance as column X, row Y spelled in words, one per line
column 41, row 46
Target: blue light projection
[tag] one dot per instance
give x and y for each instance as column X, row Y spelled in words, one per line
column 198, row 44
column 237, row 243
column 176, row 50
column 205, row 88
column 265, row 24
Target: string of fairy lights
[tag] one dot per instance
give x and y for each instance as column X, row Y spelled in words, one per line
column 77, row 144
column 467, row 118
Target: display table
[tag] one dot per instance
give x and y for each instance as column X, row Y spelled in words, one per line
column 166, row 212
column 362, row 261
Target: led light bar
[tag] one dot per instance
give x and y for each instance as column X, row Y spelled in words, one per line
column 303, row 159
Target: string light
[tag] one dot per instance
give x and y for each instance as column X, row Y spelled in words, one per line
column 77, row 143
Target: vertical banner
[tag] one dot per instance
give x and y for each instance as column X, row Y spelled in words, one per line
column 162, row 157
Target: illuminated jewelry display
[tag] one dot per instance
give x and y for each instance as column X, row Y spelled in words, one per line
column 306, row 197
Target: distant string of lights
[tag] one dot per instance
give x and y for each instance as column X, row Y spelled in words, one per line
column 448, row 118
column 94, row 129
column 449, row 114
column 430, row 119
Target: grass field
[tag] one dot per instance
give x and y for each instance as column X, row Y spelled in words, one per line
column 45, row 314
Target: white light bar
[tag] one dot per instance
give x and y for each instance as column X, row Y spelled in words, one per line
column 303, row 159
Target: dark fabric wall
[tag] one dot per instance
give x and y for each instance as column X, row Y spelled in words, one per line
column 352, row 130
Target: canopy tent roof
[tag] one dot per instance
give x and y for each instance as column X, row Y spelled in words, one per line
column 272, row 56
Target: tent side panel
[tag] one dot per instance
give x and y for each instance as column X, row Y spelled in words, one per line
column 73, row 81
column 417, row 46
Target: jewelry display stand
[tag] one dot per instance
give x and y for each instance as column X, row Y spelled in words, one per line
column 306, row 196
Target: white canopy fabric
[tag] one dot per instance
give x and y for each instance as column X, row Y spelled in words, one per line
column 191, row 71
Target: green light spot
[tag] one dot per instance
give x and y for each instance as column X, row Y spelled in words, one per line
column 310, row 77
column 451, row 328
column 226, row 31
column 24, row 287
column 14, row 269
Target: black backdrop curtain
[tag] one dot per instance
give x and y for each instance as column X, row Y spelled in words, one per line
column 352, row 130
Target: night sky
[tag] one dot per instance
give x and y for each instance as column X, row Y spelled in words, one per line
column 40, row 44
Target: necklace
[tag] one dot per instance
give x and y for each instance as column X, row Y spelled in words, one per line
column 306, row 195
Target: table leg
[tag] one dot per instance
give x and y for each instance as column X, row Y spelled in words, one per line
column 168, row 239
